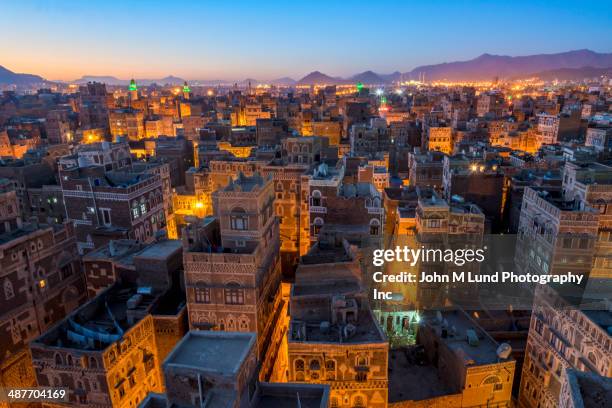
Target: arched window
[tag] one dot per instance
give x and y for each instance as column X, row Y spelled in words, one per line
column 135, row 212
column 299, row 365
column 143, row 205
column 244, row 324
column 592, row 358
column 304, row 148
column 58, row 359
column 239, row 219
column 374, row 227
column 9, row 292
column 492, row 379
column 93, row 363
column 318, row 223
column 330, row 370
column 376, row 202
column 315, row 365
column 315, row 199
column 359, row 402
column 233, row 294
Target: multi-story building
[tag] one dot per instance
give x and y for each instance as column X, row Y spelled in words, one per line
column 270, row 132
column 568, row 331
column 491, row 104
column 105, row 352
column 195, row 376
column 104, row 203
column 456, row 364
column 232, row 266
column 303, row 150
column 599, row 137
column 333, row 337
column 555, row 236
column 477, row 181
column 330, row 129
column 10, row 217
column 93, row 106
column 328, row 201
column 440, row 138
column 555, row 128
column 369, row 138
column 591, row 183
column 127, row 122
column 42, row 281
column 425, row 169
column 58, row 126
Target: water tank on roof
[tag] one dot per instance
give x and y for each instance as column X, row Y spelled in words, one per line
column 504, row 350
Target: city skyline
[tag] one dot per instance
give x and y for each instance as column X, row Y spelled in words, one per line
column 68, row 40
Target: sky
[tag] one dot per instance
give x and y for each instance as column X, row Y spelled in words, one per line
column 235, row 39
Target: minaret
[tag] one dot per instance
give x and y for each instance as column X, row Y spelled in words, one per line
column 133, row 90
column 186, row 91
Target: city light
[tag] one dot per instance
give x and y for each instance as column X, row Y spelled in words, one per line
column 409, row 226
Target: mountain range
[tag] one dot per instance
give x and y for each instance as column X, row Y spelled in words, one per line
column 566, row 65
column 10, row 77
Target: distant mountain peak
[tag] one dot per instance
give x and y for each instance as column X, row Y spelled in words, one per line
column 317, row 78
column 13, row 78
column 487, row 66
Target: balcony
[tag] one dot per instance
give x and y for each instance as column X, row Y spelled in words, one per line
column 375, row 210
column 318, row 209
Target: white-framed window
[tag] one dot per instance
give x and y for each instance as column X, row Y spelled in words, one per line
column 315, row 199
column 374, row 227
column 105, row 216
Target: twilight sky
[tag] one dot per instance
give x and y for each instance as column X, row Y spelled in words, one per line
column 266, row 40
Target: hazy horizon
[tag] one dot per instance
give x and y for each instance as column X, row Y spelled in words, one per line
column 69, row 39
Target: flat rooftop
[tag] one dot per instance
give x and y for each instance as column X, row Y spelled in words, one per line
column 457, row 324
column 366, row 331
column 160, row 250
column 115, row 249
column 412, row 378
column 343, row 287
column 212, row 351
column 26, row 229
column 101, row 321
